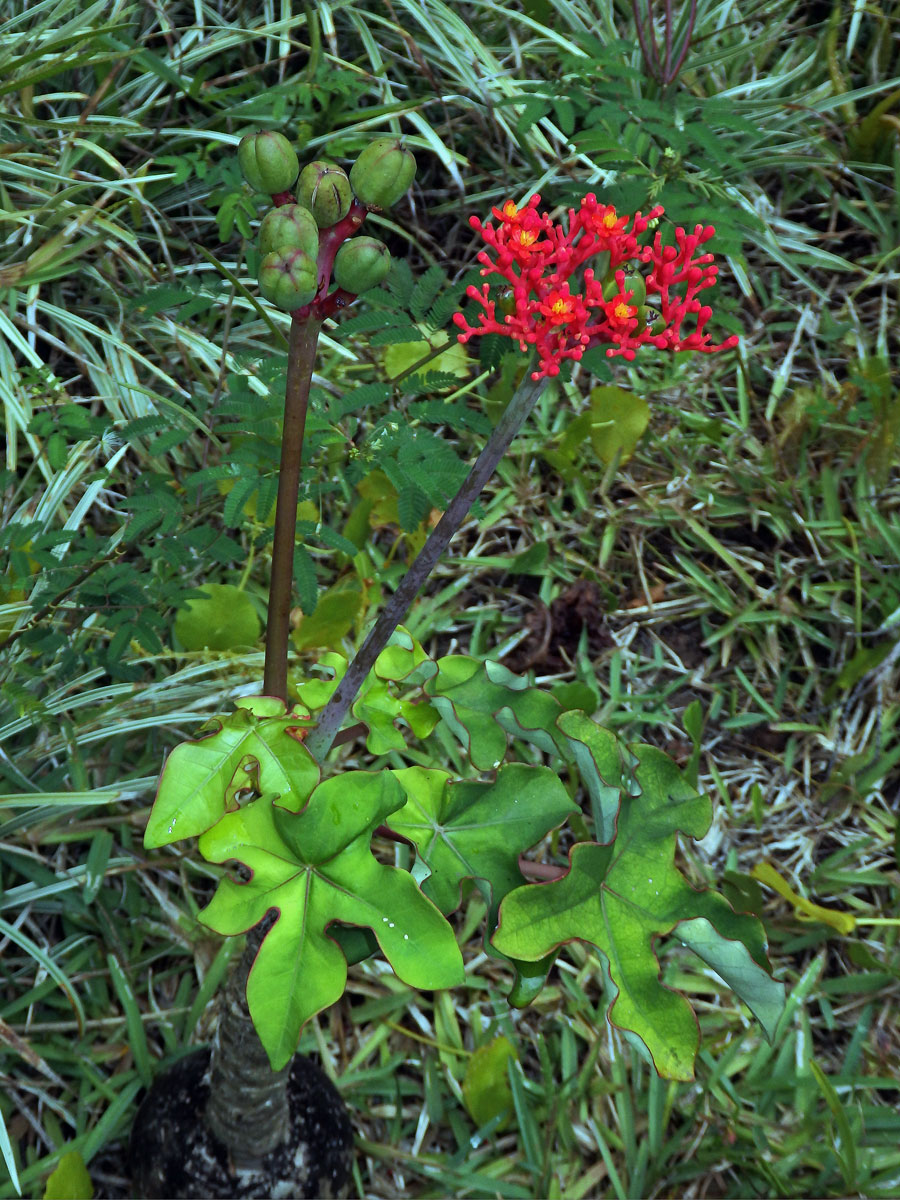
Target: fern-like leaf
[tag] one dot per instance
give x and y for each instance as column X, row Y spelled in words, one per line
column 425, row 291
column 369, row 395
column 237, row 498
column 458, row 415
column 327, row 535
column 400, row 281
column 394, row 334
column 305, row 579
column 412, row 505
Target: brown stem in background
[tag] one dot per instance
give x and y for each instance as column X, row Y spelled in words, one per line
column 545, row 872
column 664, row 73
column 301, row 359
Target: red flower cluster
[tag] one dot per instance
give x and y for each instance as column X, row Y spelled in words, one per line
column 543, row 309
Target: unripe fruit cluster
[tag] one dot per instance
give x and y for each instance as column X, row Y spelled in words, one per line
column 289, row 236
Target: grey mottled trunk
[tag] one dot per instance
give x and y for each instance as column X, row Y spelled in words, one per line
column 248, row 1105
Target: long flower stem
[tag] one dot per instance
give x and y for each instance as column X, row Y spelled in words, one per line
column 321, row 738
column 301, row 359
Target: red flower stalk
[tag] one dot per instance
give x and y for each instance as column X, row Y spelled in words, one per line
column 562, row 317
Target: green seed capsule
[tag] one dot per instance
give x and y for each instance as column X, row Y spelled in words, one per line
column 268, row 161
column 610, row 287
column 290, row 227
column 325, row 190
column 638, row 285
column 361, row 263
column 382, row 173
column 649, row 316
column 288, row 280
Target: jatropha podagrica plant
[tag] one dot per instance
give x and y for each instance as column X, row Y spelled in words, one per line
column 257, row 786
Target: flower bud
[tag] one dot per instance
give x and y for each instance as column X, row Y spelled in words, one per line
column 360, row 264
column 268, row 161
column 290, row 227
column 382, row 173
column 325, row 190
column 288, row 280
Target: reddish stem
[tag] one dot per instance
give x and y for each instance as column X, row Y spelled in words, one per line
column 329, row 243
column 305, row 325
column 543, row 871
column 301, row 358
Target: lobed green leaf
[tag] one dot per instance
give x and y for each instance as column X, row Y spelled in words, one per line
column 255, row 746
column 316, row 868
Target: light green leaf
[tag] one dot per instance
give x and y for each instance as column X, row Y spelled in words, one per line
column 336, row 612
column 619, row 421
column 314, row 868
column 482, row 702
column 70, row 1180
column 403, row 355
column 623, row 896
column 486, row 1091
column 598, row 755
column 732, row 962
column 467, row 829
column 223, row 619
column 257, row 746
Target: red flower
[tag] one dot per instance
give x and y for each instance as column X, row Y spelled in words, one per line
column 539, row 259
column 560, row 308
column 603, row 222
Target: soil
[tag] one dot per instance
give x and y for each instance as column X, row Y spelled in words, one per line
column 173, row 1153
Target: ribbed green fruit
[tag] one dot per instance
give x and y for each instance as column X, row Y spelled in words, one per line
column 382, row 173
column 288, row 280
column 268, row 161
column 633, row 283
column 637, row 284
column 652, row 318
column 323, row 188
column 290, row 227
column 360, row 264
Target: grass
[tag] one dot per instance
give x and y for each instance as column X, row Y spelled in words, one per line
column 744, row 557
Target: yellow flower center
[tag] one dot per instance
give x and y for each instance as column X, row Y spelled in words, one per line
column 623, row 311
column 510, row 210
column 561, row 306
column 527, row 237
column 609, row 218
